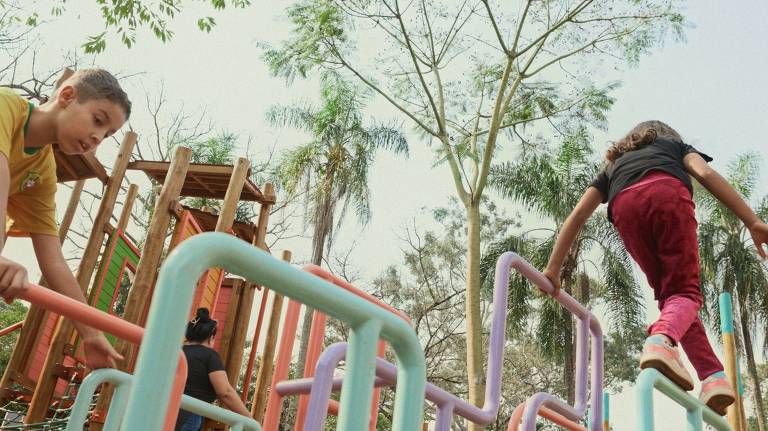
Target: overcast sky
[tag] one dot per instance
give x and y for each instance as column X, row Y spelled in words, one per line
column 712, row 89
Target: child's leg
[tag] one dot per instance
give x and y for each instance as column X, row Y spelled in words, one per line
column 699, row 351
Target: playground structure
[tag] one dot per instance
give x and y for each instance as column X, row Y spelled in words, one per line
column 369, row 321
column 46, row 366
column 46, row 372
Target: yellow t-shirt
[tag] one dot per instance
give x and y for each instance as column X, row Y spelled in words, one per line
column 32, row 192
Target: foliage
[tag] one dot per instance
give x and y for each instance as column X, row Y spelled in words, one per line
column 9, row 314
column 125, row 17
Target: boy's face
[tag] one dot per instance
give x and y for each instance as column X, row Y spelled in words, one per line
column 83, row 125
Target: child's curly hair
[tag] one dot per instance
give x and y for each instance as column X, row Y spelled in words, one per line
column 641, row 135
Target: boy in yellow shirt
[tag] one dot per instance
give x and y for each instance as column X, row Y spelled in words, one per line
column 87, row 107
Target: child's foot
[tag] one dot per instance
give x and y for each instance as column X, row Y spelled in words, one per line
column 716, row 393
column 658, row 353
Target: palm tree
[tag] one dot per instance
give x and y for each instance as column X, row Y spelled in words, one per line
column 729, row 264
column 332, row 168
column 551, row 185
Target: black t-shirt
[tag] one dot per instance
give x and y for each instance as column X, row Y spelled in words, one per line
column 662, row 155
column 201, row 360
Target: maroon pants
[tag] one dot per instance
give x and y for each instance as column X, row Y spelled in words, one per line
column 655, row 218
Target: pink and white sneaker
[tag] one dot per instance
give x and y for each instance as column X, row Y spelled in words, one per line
column 665, row 358
column 717, row 393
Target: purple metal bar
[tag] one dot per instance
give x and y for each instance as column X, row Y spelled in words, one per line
column 448, row 404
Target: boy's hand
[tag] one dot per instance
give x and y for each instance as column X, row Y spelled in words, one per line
column 554, row 278
column 13, row 279
column 98, row 352
column 759, row 232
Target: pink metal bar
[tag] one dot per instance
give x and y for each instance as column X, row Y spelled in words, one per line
column 517, row 416
column 254, row 345
column 90, row 316
column 317, row 339
column 11, row 328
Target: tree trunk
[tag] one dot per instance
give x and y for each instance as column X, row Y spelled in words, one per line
column 475, row 376
column 752, row 369
column 318, row 245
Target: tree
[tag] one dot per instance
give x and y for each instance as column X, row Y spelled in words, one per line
column 550, row 184
column 331, row 170
column 124, row 18
column 729, row 264
column 9, row 314
column 470, row 73
column 762, row 371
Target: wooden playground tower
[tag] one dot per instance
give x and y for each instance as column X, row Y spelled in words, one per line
column 47, row 360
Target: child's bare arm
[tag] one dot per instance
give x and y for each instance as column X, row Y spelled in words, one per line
column 719, row 187
column 584, row 209
column 99, row 353
column 13, row 276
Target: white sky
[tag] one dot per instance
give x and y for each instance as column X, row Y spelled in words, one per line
column 711, row 89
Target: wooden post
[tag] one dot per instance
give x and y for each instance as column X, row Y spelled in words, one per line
column 149, row 263
column 224, row 224
column 268, row 357
column 125, row 215
column 33, row 322
column 235, row 357
column 46, row 383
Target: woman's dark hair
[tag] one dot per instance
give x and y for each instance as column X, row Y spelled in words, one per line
column 202, row 327
column 641, row 135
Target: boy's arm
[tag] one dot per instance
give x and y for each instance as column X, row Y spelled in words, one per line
column 719, row 187
column 13, row 277
column 584, row 209
column 99, row 353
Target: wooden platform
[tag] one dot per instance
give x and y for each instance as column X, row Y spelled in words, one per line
column 203, row 180
column 78, row 167
column 207, row 222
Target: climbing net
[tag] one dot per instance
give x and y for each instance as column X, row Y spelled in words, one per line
column 12, row 412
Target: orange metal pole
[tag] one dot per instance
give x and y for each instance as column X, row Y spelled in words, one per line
column 288, row 337
column 254, row 345
column 517, row 416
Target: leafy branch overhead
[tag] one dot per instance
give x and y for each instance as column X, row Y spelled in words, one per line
column 125, row 17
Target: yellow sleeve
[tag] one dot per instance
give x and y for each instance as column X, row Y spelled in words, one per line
column 33, row 213
column 11, row 112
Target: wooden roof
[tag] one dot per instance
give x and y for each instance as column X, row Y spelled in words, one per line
column 203, row 180
column 78, row 167
column 207, row 222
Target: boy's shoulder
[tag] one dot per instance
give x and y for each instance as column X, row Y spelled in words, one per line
column 8, row 95
column 12, row 104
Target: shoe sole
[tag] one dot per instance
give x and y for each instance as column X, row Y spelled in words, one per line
column 667, row 371
column 719, row 403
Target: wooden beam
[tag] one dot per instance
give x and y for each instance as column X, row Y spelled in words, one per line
column 36, row 316
column 146, row 270
column 125, row 215
column 90, row 160
column 47, row 381
column 235, row 358
column 268, row 357
column 224, row 224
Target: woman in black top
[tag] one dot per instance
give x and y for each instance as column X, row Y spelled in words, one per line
column 206, row 378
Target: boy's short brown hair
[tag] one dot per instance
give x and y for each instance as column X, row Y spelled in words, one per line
column 93, row 84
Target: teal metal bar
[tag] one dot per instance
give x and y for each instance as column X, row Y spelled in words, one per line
column 122, row 383
column 606, row 411
column 173, row 298
column 697, row 412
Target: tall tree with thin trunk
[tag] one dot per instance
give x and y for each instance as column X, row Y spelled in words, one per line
column 472, row 75
column 332, row 168
column 729, row 264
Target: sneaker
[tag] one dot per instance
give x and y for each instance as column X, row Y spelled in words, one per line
column 665, row 358
column 716, row 393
